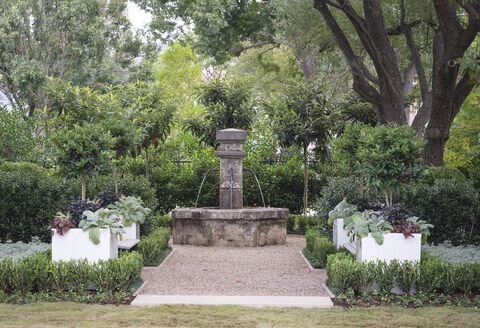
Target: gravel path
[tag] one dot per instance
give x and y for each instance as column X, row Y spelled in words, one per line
column 267, row 271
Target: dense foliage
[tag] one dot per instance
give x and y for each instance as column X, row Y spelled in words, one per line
column 153, row 245
column 30, row 197
column 37, row 273
column 431, row 275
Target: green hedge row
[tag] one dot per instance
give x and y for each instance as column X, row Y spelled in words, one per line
column 318, row 248
column 431, row 275
column 31, row 195
column 152, row 246
column 37, row 273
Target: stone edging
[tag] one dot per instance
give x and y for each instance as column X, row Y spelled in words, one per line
column 329, row 292
column 165, row 259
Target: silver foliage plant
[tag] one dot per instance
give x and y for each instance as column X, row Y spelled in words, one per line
column 102, row 218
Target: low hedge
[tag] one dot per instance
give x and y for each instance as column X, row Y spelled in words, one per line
column 152, row 246
column 299, row 224
column 153, row 222
column 318, row 248
column 37, row 274
column 431, row 275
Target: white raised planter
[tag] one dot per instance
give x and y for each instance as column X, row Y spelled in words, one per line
column 132, row 232
column 340, row 237
column 76, row 245
column 395, row 247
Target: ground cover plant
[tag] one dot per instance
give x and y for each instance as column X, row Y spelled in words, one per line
column 20, row 249
column 454, row 254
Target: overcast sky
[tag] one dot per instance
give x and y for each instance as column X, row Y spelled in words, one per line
column 137, row 16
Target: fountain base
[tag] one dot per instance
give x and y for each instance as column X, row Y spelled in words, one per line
column 246, row 227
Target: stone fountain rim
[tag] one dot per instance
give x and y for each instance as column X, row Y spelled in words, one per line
column 246, row 213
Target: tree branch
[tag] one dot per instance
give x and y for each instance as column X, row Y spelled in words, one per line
column 360, row 82
column 462, row 90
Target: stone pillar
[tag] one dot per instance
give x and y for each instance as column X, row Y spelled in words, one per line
column 231, row 156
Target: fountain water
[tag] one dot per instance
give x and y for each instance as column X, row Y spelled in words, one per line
column 231, row 224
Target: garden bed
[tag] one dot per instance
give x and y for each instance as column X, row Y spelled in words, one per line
column 454, row 254
column 20, row 250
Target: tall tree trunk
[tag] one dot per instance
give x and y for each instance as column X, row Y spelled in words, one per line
column 115, row 178
column 83, row 182
column 305, row 178
column 147, row 170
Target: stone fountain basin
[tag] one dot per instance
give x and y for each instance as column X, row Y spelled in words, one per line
column 245, row 227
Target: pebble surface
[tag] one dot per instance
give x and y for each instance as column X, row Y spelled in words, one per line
column 268, row 271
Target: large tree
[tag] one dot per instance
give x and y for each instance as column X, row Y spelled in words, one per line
column 87, row 42
column 455, row 25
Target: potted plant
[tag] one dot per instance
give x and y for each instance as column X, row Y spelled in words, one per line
column 377, row 238
column 132, row 213
column 95, row 238
column 339, row 217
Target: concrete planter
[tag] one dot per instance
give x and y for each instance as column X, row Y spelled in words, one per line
column 395, row 247
column 132, row 232
column 340, row 237
column 76, row 245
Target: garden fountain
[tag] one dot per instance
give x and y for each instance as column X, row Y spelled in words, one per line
column 230, row 224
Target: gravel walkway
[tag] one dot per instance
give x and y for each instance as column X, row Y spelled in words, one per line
column 267, row 271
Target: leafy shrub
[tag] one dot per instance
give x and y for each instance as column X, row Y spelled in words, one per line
column 137, row 186
column 107, row 197
column 336, row 189
column 346, row 275
column 299, row 224
column 38, row 273
column 153, row 222
column 78, row 206
column 310, row 237
column 30, row 197
column 453, row 207
column 152, row 246
column 321, row 249
column 117, row 275
column 343, row 272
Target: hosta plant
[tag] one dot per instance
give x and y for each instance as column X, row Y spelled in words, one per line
column 343, row 210
column 102, row 218
column 62, row 223
column 368, row 222
column 131, row 210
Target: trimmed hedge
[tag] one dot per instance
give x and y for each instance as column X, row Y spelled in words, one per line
column 299, row 224
column 30, row 196
column 37, row 273
column 318, row 248
column 431, row 275
column 152, row 246
column 452, row 206
column 153, row 222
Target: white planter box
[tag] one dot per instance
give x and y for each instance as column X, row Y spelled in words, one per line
column 395, row 247
column 132, row 232
column 339, row 234
column 75, row 245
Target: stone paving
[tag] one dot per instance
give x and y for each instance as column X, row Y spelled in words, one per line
column 248, row 271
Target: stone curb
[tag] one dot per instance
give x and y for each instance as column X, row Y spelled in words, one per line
column 249, row 301
column 329, row 292
column 166, row 259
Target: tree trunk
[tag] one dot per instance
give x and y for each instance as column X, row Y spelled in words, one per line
column 83, row 182
column 115, row 178
column 305, row 178
column 147, row 171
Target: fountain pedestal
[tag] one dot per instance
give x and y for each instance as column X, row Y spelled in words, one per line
column 230, row 224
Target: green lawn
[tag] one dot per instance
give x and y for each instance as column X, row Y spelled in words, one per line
column 80, row 315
